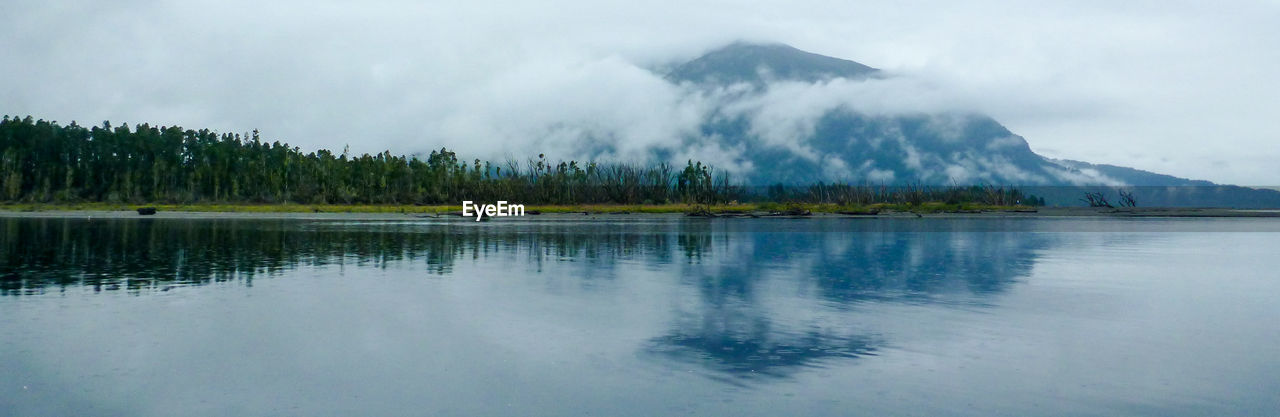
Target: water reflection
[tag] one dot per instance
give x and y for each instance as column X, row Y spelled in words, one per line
column 735, row 328
column 37, row 254
column 750, row 294
column 142, row 255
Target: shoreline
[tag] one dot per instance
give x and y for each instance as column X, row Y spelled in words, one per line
column 604, row 213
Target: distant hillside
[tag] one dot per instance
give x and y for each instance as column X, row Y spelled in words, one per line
column 774, row 117
column 1130, row 175
column 842, row 144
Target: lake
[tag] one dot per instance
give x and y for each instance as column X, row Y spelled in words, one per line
column 639, row 316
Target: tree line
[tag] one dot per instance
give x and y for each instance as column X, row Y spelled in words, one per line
column 44, row 161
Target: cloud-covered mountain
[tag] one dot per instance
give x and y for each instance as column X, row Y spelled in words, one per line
column 781, row 115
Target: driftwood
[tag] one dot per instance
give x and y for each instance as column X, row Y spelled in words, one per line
column 700, row 211
column 793, row 211
column 859, row 213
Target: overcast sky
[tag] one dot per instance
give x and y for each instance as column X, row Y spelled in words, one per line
column 1184, row 88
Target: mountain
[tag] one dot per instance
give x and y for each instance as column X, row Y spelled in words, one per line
column 842, row 143
column 781, row 115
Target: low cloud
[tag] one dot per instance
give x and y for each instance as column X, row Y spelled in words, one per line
column 606, row 108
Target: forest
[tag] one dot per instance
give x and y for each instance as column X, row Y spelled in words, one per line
column 45, row 162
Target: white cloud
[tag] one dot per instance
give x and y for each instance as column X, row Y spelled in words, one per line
column 711, row 151
column 565, row 110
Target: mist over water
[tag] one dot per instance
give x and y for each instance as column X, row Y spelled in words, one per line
column 638, row 316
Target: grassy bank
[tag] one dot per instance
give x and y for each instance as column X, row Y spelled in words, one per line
column 929, row 207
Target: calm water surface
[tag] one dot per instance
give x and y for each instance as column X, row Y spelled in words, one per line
column 640, row 316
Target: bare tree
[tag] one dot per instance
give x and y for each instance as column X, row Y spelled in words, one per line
column 1096, row 200
column 1126, row 199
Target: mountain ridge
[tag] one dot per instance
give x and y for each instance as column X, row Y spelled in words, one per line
column 744, row 61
